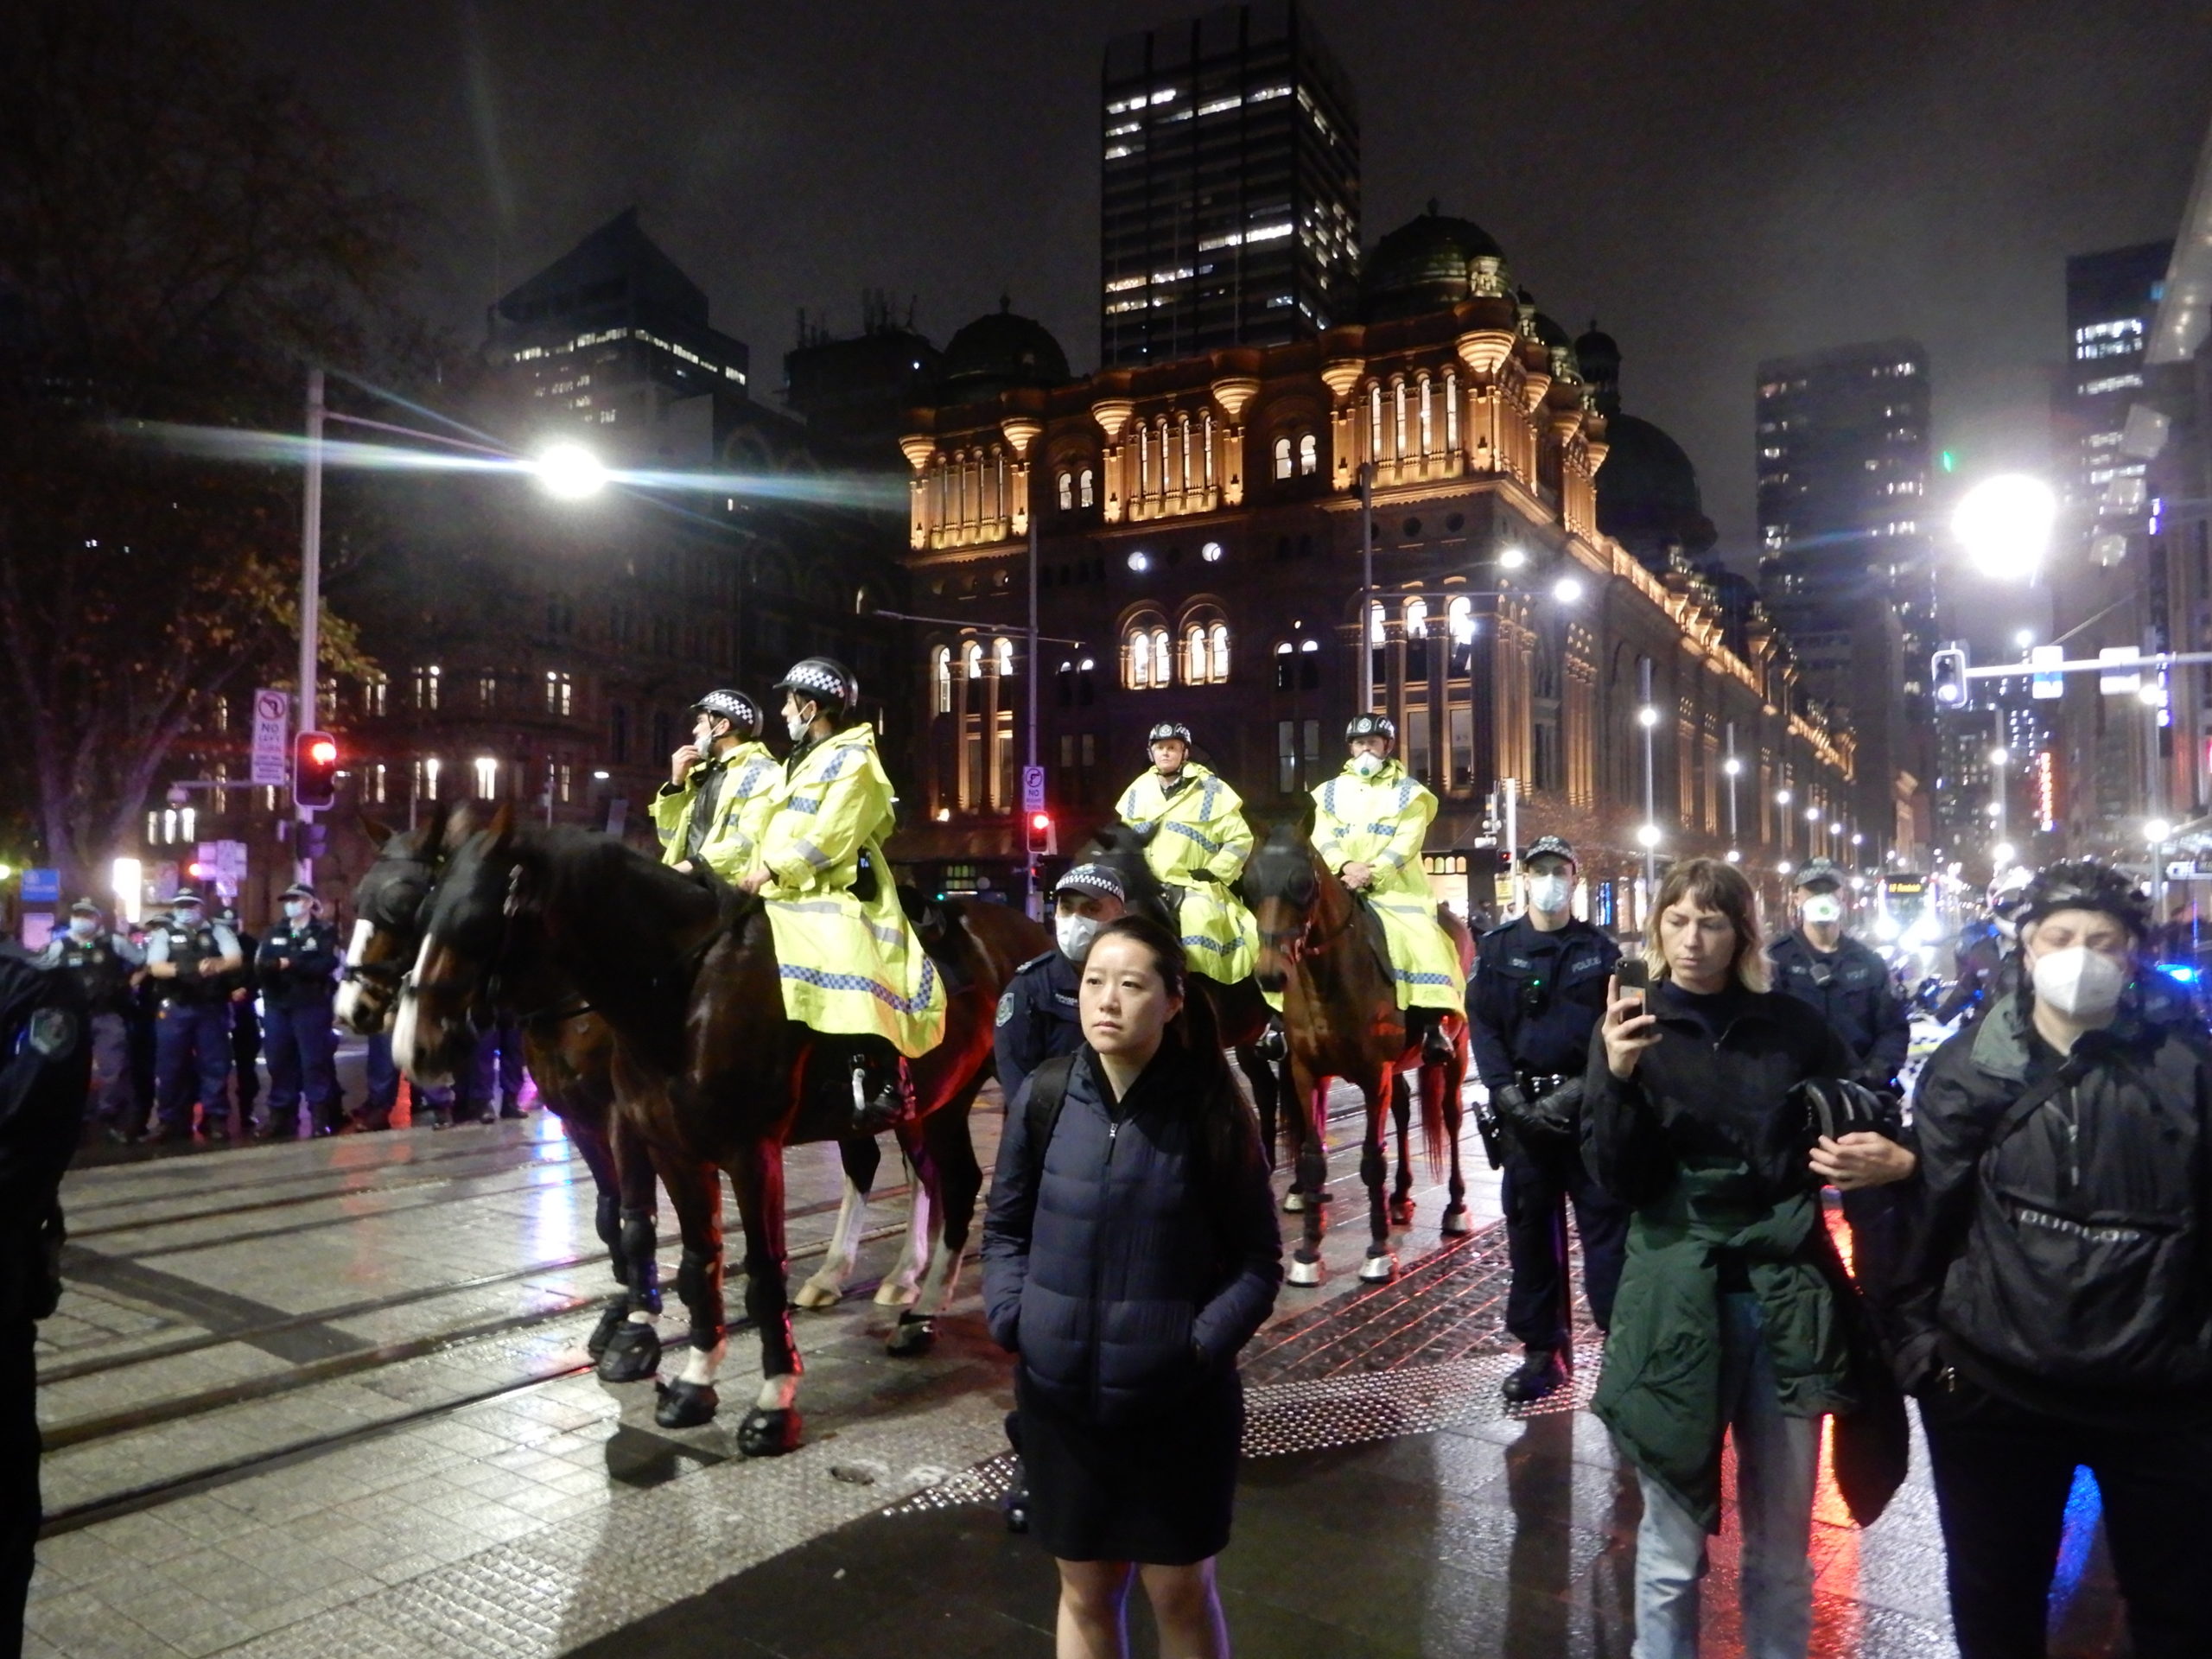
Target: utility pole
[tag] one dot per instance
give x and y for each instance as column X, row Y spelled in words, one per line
column 1030, row 902
column 1366, row 587
column 310, row 609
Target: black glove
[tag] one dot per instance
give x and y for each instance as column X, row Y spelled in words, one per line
column 1202, row 876
column 1559, row 1112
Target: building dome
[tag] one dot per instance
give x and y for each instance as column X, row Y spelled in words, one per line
column 1648, row 497
column 1599, row 354
column 999, row 352
column 1422, row 265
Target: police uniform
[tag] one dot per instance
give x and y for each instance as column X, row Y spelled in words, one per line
column 1381, row 819
column 241, row 989
column 715, row 816
column 1850, row 985
column 102, row 965
column 1534, row 999
column 192, row 1030
column 1036, row 1018
column 295, row 1001
column 1196, row 843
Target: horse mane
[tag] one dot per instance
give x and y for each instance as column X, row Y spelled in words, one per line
column 1280, row 862
column 1119, row 848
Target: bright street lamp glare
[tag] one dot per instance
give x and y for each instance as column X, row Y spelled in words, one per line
column 2025, row 637
column 2005, row 524
column 1999, row 757
column 1567, row 590
column 1647, row 715
column 1512, row 559
column 1648, row 835
column 2157, row 830
column 570, row 472
column 2003, row 854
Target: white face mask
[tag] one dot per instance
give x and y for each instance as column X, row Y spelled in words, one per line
column 1366, row 764
column 1823, row 907
column 1549, row 893
column 83, row 927
column 2079, row 983
column 796, row 725
column 1075, row 934
column 295, row 908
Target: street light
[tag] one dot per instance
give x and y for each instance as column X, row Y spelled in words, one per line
column 570, row 472
column 2157, row 832
column 1781, row 797
column 2003, row 854
column 1566, row 589
column 1647, row 716
column 1647, row 836
column 2005, row 524
column 1512, row 559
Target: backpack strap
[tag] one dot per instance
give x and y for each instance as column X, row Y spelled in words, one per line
column 2070, row 1071
column 1048, row 1092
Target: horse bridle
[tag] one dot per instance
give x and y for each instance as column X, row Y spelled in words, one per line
column 1293, row 943
column 481, row 990
column 391, row 975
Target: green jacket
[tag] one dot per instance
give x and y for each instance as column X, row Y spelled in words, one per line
column 750, row 776
column 1660, row 1391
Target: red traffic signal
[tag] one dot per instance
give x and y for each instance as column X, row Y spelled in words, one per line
column 1041, row 838
column 314, row 770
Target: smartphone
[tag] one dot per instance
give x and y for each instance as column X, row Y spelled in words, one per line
column 1635, row 975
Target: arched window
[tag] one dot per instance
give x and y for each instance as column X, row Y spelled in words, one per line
column 1416, row 618
column 1461, row 615
column 1377, row 632
column 1427, row 419
column 1196, row 671
column 1282, row 457
column 1139, row 660
column 1309, row 455
column 1416, row 639
column 941, row 679
column 1219, row 634
column 1147, row 654
column 1398, row 426
column 1162, row 660
column 1067, row 492
column 1003, row 656
column 1085, row 492
column 1374, row 421
column 971, row 660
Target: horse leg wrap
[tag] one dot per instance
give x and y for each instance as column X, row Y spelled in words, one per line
column 1374, row 1166
column 639, row 1242
column 698, row 1282
column 606, row 1221
column 612, row 1318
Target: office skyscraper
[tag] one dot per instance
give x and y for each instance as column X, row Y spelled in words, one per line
column 1231, row 185
column 2111, row 300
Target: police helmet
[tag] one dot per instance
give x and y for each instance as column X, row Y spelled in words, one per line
column 2084, row 884
column 822, row 680
column 1092, row 878
column 1371, row 726
column 1168, row 731
column 742, row 713
column 1550, row 847
column 83, row 908
column 2008, row 889
column 1818, row 874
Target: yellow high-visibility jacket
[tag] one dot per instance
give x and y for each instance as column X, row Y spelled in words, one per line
column 750, row 775
column 848, row 967
column 1198, row 827
column 1381, row 821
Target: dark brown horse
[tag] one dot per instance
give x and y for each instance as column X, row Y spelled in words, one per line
column 706, row 1065
column 1341, row 1013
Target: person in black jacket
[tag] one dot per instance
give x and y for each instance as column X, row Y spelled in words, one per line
column 297, row 966
column 45, row 1068
column 1822, row 966
column 1129, row 1253
column 2056, row 1309
column 1037, row 1013
column 242, row 989
column 1538, row 989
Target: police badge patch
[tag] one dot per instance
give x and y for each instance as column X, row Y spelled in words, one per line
column 53, row 1034
column 1006, row 1008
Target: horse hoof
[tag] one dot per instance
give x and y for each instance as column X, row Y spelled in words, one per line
column 893, row 1293
column 1302, row 1272
column 1401, row 1212
column 1017, row 1511
column 911, row 1338
column 815, row 1293
column 686, row 1405
column 632, row 1354
column 612, row 1318
column 768, row 1433
column 1379, row 1270
column 1293, row 1202
column 1455, row 1223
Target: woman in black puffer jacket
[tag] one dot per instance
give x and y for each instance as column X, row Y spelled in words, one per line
column 1130, row 1251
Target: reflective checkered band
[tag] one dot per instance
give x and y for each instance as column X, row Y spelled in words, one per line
column 828, row 982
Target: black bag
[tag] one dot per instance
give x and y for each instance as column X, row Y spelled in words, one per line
column 1836, row 1107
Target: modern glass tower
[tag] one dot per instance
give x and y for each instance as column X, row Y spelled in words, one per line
column 1231, row 185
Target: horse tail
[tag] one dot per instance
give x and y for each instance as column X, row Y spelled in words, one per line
column 1433, row 1142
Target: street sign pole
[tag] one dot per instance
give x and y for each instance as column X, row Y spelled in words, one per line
column 1030, row 768
column 310, row 603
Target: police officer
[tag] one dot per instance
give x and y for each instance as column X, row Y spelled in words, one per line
column 45, row 1067
column 1986, row 955
column 187, row 956
column 720, row 788
column 297, row 966
column 1196, row 842
column 1819, row 964
column 241, row 991
column 497, row 1070
column 102, row 963
column 1539, row 991
column 1037, row 1013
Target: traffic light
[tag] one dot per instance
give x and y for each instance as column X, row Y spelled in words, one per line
column 1042, row 840
column 314, row 770
column 1947, row 675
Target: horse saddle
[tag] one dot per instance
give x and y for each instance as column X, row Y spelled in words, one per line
column 936, row 925
column 1371, row 930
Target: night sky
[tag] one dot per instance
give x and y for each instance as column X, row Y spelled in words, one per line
column 1715, row 182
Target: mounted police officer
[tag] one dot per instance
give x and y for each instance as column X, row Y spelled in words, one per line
column 1369, row 824
column 1196, row 842
column 187, row 956
column 1538, row 993
column 851, row 965
column 721, row 787
column 102, row 963
column 297, row 965
column 1037, row 1013
column 1819, row 964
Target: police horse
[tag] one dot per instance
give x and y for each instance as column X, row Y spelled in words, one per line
column 1341, row 1015
column 705, row 1067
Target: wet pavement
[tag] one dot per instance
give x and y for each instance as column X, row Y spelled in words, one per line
column 330, row 1398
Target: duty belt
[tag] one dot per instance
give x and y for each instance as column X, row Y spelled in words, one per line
column 1537, row 1084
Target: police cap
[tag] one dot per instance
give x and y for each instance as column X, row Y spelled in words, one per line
column 300, row 890
column 1550, row 847
column 1092, row 878
column 83, row 908
column 1818, row 874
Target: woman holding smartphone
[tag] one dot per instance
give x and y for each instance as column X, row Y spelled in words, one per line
column 1130, row 1251
column 1735, row 1315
